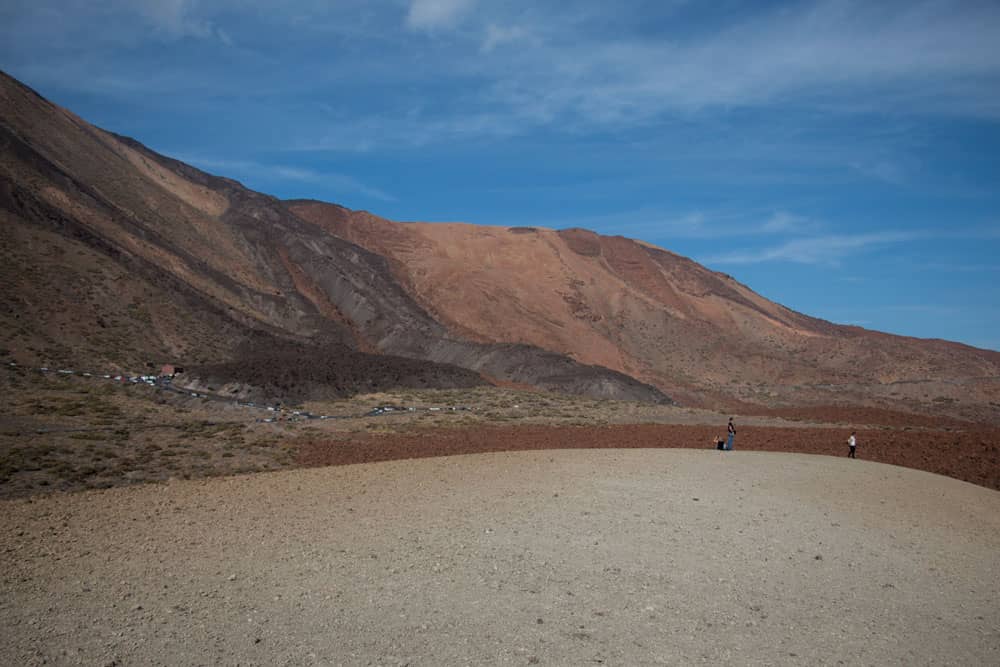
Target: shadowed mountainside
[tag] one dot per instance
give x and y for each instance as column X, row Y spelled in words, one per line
column 662, row 318
column 116, row 255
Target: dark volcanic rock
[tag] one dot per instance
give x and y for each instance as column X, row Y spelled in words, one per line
column 278, row 370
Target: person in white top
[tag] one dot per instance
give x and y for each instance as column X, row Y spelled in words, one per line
column 853, row 444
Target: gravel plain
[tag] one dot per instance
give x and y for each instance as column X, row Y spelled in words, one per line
column 569, row 557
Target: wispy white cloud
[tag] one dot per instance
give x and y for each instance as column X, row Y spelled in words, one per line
column 784, row 222
column 821, row 250
column 436, row 14
column 260, row 171
column 846, row 56
column 500, row 35
column 830, row 56
column 176, row 18
column 650, row 224
column 657, row 225
column 412, row 130
column 885, row 170
column 96, row 30
column 923, row 308
column 929, row 56
column 566, row 69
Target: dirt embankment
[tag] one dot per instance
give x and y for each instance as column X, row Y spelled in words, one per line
column 864, row 415
column 971, row 455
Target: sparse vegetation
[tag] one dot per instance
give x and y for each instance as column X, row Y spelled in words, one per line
column 73, row 433
column 69, row 433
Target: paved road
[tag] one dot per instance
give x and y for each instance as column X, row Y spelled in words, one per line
column 623, row 557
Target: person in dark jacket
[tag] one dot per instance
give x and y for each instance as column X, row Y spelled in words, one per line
column 732, row 435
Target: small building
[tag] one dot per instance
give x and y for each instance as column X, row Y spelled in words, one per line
column 169, row 370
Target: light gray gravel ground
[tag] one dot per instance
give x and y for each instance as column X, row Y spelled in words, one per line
column 623, row 557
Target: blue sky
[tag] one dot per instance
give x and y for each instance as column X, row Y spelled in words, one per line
column 839, row 157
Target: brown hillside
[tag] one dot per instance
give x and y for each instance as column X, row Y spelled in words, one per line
column 116, row 256
column 662, row 318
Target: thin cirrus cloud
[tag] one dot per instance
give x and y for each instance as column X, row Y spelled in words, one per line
column 436, row 14
column 658, row 225
column 565, row 65
column 497, row 36
column 177, row 18
column 497, row 76
column 821, row 250
column 785, row 222
column 259, row 172
column 842, row 56
column 489, row 72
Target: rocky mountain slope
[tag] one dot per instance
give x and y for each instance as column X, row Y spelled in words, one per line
column 698, row 335
column 115, row 255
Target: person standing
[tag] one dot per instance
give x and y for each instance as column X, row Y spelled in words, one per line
column 732, row 435
column 852, row 443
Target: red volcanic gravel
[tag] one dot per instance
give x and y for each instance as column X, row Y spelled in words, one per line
column 849, row 414
column 971, row 455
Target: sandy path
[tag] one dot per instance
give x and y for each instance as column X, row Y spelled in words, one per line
column 564, row 557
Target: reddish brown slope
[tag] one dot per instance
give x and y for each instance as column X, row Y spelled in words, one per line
column 114, row 255
column 697, row 334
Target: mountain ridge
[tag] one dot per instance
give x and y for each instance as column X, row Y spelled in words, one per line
column 207, row 256
column 117, row 252
column 659, row 316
